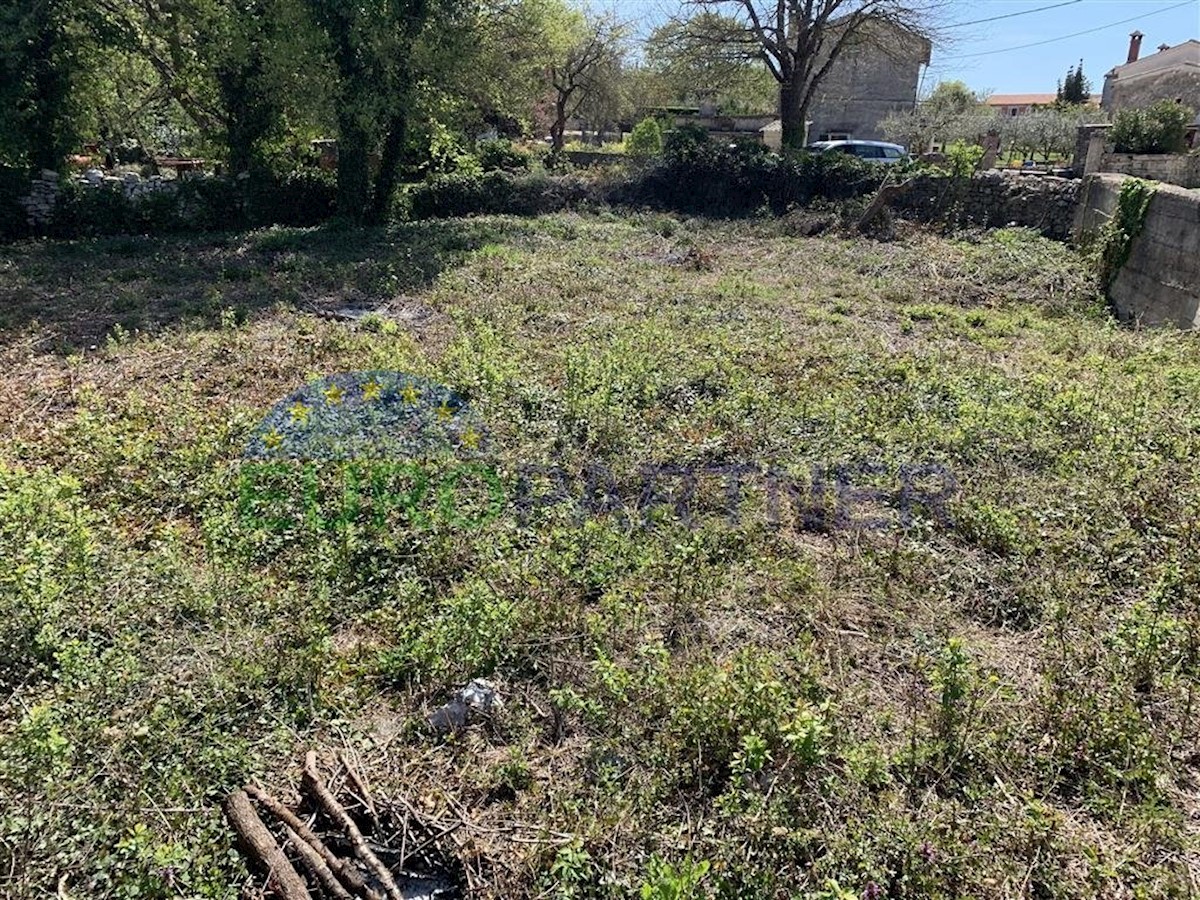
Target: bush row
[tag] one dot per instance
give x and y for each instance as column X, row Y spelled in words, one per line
column 692, row 175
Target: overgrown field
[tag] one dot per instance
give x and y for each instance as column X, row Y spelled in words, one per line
column 975, row 680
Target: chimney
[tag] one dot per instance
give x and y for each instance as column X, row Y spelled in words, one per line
column 1135, row 46
column 1162, row 47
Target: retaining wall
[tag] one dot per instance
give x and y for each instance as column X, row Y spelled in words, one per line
column 1160, row 283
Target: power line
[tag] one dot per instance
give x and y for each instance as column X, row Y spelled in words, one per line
column 1024, row 12
column 1076, row 34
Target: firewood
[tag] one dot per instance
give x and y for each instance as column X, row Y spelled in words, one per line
column 343, row 869
column 317, row 868
column 886, row 194
column 262, row 847
column 321, row 794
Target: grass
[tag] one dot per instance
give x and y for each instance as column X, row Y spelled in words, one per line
column 993, row 702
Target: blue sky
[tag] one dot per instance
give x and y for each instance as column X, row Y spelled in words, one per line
column 1031, row 70
column 1037, row 69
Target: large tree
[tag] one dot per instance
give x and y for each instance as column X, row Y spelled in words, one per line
column 694, row 69
column 800, row 41
column 44, row 56
column 1076, row 89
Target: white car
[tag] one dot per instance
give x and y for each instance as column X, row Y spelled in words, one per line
column 868, row 151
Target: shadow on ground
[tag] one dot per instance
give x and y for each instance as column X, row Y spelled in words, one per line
column 74, row 293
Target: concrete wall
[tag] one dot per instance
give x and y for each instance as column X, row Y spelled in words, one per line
column 1160, row 284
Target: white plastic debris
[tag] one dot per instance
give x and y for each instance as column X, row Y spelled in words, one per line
column 478, row 699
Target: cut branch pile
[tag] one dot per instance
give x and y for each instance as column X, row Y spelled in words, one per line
column 346, row 864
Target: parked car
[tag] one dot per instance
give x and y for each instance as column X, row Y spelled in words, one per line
column 868, row 151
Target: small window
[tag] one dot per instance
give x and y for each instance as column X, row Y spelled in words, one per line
column 835, row 136
column 866, row 151
column 891, row 153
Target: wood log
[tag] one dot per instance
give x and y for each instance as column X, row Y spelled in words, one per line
column 343, row 869
column 320, row 793
column 885, row 195
column 263, row 848
column 317, row 868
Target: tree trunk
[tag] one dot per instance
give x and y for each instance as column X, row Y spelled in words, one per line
column 793, row 110
column 558, row 129
column 389, row 168
column 353, row 170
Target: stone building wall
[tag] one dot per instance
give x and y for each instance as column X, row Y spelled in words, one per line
column 866, row 83
column 1167, row 75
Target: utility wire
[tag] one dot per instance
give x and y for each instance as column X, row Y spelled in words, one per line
column 1024, row 12
column 1076, row 34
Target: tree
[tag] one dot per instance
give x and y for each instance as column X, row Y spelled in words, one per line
column 1076, row 89
column 371, row 44
column 799, row 41
column 694, row 69
column 589, row 57
column 952, row 111
column 44, row 46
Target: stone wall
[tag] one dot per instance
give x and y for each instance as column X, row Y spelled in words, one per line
column 43, row 194
column 995, row 200
column 1173, row 168
column 1160, row 283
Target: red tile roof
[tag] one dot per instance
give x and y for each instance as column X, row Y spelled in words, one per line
column 1021, row 99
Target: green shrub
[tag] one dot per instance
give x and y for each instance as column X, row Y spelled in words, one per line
column 697, row 175
column 497, row 192
column 502, row 155
column 196, row 204
column 646, row 139
column 1160, row 128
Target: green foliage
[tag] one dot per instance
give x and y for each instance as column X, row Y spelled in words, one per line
column 646, row 139
column 1159, row 128
column 963, row 159
column 700, row 176
column 665, row 881
column 196, row 204
column 1076, row 89
column 690, row 67
column 497, row 192
column 1115, row 241
column 502, row 155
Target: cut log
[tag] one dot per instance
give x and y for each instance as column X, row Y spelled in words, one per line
column 317, row 868
column 263, row 848
column 320, row 793
column 343, row 869
column 885, row 195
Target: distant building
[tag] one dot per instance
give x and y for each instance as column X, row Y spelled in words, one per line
column 1018, row 104
column 1022, row 104
column 877, row 76
column 1173, row 73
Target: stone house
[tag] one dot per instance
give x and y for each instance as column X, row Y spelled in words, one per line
column 1172, row 73
column 878, row 75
